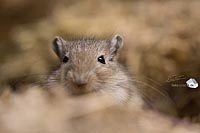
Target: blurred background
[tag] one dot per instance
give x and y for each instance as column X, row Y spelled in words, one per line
column 162, row 42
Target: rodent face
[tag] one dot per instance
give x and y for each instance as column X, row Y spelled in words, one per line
column 88, row 64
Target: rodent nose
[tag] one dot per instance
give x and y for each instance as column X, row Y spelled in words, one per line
column 80, row 82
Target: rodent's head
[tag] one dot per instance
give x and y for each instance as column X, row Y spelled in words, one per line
column 88, row 64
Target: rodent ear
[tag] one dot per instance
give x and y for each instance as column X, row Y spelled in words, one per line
column 116, row 44
column 59, row 46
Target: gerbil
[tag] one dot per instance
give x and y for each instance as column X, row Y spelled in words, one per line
column 90, row 65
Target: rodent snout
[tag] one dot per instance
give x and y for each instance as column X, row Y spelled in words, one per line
column 80, row 80
column 80, row 83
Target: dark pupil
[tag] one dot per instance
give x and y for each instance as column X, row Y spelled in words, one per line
column 101, row 59
column 65, row 60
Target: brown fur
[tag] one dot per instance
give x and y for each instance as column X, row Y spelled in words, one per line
column 83, row 66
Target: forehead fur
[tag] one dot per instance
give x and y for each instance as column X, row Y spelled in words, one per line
column 84, row 52
column 88, row 45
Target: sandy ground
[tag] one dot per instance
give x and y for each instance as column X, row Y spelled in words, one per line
column 161, row 40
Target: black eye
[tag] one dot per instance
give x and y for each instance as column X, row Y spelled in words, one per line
column 101, row 59
column 65, row 59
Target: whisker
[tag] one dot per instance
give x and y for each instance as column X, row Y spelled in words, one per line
column 148, row 85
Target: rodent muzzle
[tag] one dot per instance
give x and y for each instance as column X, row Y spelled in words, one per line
column 80, row 81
